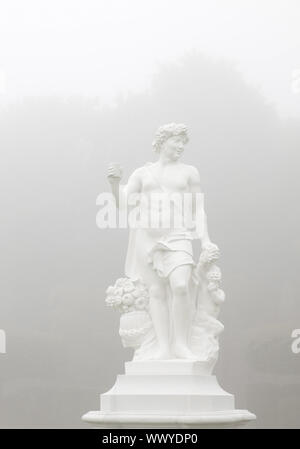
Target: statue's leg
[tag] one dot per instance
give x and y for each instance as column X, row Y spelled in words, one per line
column 181, row 310
column 160, row 317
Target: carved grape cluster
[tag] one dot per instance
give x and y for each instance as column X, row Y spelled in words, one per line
column 209, row 255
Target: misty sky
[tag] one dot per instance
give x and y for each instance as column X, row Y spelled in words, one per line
column 104, row 48
column 56, row 263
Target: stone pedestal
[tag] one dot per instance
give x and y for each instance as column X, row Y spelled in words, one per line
column 167, row 394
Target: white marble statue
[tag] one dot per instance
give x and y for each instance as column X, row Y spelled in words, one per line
column 169, row 302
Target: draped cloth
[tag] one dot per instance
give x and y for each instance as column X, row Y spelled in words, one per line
column 171, row 251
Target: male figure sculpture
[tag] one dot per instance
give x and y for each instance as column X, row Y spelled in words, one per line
column 169, row 304
column 163, row 257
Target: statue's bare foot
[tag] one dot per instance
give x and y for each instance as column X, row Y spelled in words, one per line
column 162, row 354
column 183, row 352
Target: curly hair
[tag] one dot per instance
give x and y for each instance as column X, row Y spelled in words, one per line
column 166, row 131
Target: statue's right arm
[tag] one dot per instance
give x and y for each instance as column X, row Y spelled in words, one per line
column 114, row 178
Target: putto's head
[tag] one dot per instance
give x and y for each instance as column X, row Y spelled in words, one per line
column 171, row 139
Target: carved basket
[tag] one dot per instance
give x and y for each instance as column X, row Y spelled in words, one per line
column 133, row 327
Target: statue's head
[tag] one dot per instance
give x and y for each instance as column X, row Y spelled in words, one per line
column 170, row 139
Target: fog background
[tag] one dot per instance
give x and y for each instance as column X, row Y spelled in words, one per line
column 84, row 84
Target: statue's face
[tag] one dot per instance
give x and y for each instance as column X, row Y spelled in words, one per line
column 173, row 147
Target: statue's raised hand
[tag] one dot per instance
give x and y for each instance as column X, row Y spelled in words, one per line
column 114, row 173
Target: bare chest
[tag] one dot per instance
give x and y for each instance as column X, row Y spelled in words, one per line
column 170, row 179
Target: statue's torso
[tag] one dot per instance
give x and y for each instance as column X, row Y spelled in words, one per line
column 172, row 178
column 162, row 189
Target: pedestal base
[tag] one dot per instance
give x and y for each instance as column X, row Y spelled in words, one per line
column 167, row 394
column 214, row 420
